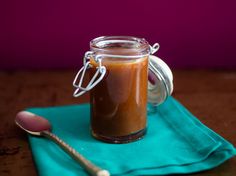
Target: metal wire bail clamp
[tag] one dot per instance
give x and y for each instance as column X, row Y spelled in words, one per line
column 81, row 73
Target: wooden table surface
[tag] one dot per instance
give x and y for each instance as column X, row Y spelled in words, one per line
column 208, row 94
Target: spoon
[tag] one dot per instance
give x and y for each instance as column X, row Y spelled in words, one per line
column 39, row 126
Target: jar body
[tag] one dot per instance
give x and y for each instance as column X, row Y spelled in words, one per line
column 118, row 102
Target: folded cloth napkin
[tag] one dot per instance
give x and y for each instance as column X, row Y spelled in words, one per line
column 176, row 142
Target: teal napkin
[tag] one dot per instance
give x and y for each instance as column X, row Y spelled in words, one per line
column 176, row 142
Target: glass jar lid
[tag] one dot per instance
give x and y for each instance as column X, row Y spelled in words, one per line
column 160, row 84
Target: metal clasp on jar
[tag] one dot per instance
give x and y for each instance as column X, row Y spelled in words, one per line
column 97, row 77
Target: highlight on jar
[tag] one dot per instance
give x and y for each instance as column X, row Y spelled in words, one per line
column 124, row 76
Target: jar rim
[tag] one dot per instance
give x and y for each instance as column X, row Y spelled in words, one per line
column 104, row 43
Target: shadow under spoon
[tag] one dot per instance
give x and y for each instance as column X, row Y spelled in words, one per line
column 39, row 126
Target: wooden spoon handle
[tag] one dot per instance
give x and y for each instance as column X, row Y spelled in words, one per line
column 86, row 164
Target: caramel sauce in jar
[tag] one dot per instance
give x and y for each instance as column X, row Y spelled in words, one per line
column 118, row 103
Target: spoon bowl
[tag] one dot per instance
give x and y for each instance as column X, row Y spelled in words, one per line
column 32, row 123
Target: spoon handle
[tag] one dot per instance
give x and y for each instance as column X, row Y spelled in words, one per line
column 86, row 164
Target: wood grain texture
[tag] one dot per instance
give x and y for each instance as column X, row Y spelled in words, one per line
column 208, row 94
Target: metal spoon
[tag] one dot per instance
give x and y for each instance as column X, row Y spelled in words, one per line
column 39, row 126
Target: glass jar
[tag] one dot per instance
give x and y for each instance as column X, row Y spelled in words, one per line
column 118, row 68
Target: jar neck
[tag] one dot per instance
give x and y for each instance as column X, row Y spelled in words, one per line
column 120, row 46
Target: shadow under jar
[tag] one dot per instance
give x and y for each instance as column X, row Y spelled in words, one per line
column 118, row 102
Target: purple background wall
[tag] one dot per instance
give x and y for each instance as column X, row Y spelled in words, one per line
column 55, row 34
